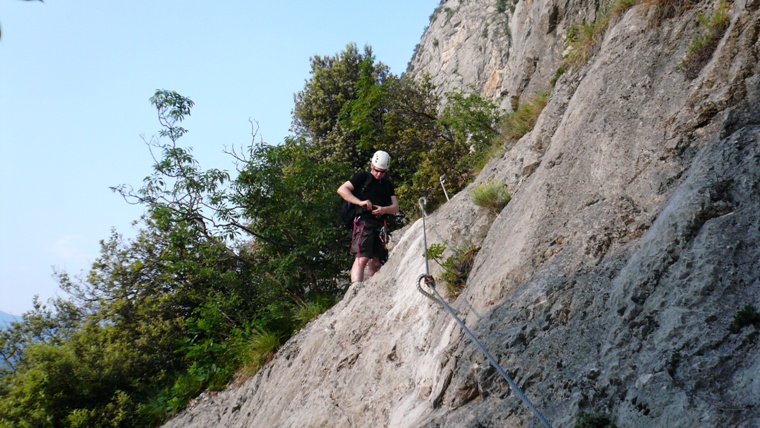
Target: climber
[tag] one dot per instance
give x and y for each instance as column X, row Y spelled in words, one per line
column 376, row 198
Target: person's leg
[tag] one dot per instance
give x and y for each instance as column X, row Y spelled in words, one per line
column 374, row 266
column 357, row 270
column 366, row 245
column 379, row 254
column 358, row 247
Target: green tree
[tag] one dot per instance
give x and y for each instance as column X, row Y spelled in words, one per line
column 320, row 105
column 466, row 129
column 289, row 197
column 353, row 106
column 220, row 262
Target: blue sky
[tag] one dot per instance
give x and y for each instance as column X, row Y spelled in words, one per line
column 75, row 79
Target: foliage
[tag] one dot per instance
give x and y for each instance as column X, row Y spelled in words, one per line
column 288, row 198
column 665, row 9
column 589, row 420
column 325, row 100
column 353, row 106
column 704, row 44
column 584, row 38
column 523, row 119
column 501, row 6
column 178, row 189
column 224, row 268
column 160, row 318
column 259, row 350
column 745, row 317
column 490, row 194
column 469, row 125
column 560, row 71
column 310, row 310
column 456, row 267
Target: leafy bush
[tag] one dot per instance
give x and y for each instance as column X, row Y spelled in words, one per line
column 456, row 267
column 589, row 420
column 491, row 194
column 745, row 317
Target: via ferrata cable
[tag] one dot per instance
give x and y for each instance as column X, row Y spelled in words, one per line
column 430, row 283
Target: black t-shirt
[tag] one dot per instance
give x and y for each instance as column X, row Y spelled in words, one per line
column 378, row 192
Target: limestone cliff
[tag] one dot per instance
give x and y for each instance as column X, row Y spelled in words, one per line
column 609, row 282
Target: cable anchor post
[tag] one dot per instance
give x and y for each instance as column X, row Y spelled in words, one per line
column 442, row 179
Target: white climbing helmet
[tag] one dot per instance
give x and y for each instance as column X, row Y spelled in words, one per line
column 381, row 160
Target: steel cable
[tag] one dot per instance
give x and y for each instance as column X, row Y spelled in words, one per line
column 430, row 283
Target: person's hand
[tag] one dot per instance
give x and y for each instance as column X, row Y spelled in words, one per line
column 367, row 205
column 377, row 211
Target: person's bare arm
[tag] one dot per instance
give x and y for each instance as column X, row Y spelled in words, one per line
column 346, row 191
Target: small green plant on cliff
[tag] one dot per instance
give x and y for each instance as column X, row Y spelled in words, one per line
column 664, row 9
column 704, row 44
column 491, row 194
column 746, row 316
column 456, row 267
column 594, row 420
column 560, row 71
column 583, row 38
column 260, row 350
column 513, row 126
column 523, row 119
column 307, row 311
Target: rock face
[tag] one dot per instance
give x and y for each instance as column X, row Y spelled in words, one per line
column 502, row 48
column 607, row 285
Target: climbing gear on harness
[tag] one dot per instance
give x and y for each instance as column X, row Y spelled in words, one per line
column 385, row 235
column 430, row 283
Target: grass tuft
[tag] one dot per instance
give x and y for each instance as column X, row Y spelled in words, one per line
column 260, row 350
column 491, row 194
column 307, row 311
column 523, row 119
column 584, row 38
column 704, row 44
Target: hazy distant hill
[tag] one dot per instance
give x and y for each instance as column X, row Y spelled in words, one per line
column 6, row 318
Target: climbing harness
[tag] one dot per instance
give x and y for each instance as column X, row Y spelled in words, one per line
column 434, row 295
column 356, row 235
column 358, row 231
